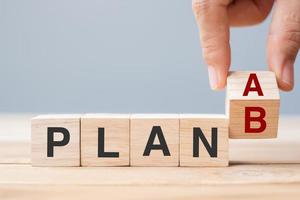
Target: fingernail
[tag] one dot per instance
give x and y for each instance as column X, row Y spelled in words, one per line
column 287, row 75
column 213, row 77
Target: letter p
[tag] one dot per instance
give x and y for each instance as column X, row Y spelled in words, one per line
column 50, row 139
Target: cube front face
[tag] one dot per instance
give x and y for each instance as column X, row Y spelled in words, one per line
column 252, row 105
column 105, row 140
column 239, row 123
column 192, row 149
column 55, row 141
column 154, row 140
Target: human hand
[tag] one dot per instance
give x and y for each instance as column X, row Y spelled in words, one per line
column 214, row 17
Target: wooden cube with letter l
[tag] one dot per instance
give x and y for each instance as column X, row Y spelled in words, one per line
column 55, row 140
column 105, row 140
column 252, row 104
column 154, row 140
column 203, row 140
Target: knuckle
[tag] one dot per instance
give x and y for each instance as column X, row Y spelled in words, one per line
column 289, row 36
column 288, row 31
column 213, row 51
column 209, row 53
column 217, row 38
column 287, row 41
column 198, row 6
column 291, row 27
column 293, row 36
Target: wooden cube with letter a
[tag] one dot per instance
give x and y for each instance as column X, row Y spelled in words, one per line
column 105, row 140
column 252, row 104
column 154, row 140
column 203, row 140
column 55, row 140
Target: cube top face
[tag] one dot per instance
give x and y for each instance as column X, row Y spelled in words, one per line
column 215, row 130
column 105, row 140
column 213, row 117
column 161, row 131
column 54, row 117
column 106, row 116
column 252, row 104
column 155, row 116
column 237, row 82
column 55, row 140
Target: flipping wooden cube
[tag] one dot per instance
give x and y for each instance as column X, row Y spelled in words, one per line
column 252, row 104
column 55, row 140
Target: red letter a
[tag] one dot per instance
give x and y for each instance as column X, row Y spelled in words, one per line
column 257, row 88
column 260, row 119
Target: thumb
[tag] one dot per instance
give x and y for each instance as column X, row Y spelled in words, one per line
column 284, row 42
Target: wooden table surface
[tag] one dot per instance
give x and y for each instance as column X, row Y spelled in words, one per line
column 259, row 169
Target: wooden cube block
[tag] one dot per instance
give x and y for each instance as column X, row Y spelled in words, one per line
column 154, row 140
column 203, row 140
column 105, row 140
column 252, row 104
column 55, row 140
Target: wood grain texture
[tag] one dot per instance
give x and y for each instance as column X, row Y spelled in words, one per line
column 236, row 103
column 206, row 123
column 284, row 149
column 68, row 155
column 269, row 181
column 141, row 127
column 134, row 192
column 116, row 134
column 135, row 176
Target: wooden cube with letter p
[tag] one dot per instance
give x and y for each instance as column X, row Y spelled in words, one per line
column 252, row 104
column 154, row 140
column 55, row 140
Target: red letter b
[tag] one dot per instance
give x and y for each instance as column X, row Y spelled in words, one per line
column 260, row 119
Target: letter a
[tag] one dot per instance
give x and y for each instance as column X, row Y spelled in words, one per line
column 253, row 78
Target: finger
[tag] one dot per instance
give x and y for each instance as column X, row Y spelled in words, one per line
column 212, row 20
column 284, row 42
column 248, row 12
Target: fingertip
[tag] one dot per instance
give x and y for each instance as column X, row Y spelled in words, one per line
column 285, row 87
column 284, row 72
column 281, row 63
column 217, row 77
column 286, row 80
column 287, row 76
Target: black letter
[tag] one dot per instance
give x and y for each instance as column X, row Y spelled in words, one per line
column 50, row 139
column 213, row 149
column 101, row 152
column 156, row 130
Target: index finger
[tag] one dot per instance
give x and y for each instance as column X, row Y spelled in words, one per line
column 212, row 20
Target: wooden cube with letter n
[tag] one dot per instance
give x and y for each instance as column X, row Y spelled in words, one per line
column 55, row 140
column 203, row 140
column 252, row 104
column 154, row 140
column 105, row 140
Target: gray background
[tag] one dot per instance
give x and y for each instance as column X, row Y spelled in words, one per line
column 114, row 56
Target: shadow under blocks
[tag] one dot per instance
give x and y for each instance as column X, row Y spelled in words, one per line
column 102, row 139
